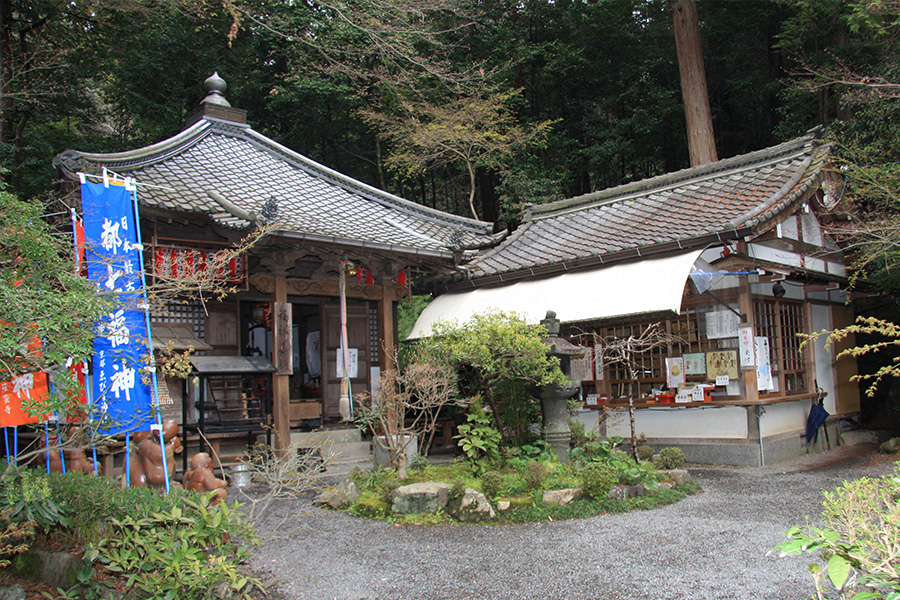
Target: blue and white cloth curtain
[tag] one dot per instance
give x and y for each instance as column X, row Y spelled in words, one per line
column 122, row 394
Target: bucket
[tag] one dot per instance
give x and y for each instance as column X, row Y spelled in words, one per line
column 241, row 475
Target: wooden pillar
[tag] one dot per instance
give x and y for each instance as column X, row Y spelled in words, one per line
column 748, row 375
column 386, row 330
column 281, row 393
column 386, row 335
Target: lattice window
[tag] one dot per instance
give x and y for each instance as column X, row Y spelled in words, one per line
column 188, row 312
column 781, row 321
column 651, row 365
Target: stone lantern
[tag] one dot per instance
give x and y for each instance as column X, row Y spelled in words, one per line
column 554, row 398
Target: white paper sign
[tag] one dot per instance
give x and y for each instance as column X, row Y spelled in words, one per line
column 591, row 399
column 674, row 371
column 598, row 362
column 353, row 367
column 722, row 324
column 763, row 365
column 722, row 380
column 746, row 347
column 583, row 367
column 697, row 394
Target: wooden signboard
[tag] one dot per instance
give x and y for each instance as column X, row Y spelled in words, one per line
column 721, row 362
column 282, row 318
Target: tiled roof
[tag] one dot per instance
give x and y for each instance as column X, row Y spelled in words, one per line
column 231, row 172
column 682, row 210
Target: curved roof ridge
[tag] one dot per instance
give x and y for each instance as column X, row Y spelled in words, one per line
column 759, row 158
column 154, row 152
column 358, row 187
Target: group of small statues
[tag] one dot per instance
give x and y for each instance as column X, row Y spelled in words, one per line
column 145, row 463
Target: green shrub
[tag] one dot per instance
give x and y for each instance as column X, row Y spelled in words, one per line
column 535, row 475
column 860, row 534
column 457, row 490
column 371, row 505
column 892, row 446
column 28, row 497
column 417, row 462
column 184, row 552
column 597, row 479
column 477, row 437
column 491, row 484
column 382, row 482
column 670, row 458
column 644, row 452
column 580, row 435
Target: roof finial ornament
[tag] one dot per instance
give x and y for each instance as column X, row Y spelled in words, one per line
column 215, row 85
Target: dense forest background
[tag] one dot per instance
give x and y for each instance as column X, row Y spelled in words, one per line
column 509, row 101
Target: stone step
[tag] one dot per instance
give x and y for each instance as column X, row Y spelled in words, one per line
column 348, row 451
column 344, row 468
column 316, row 438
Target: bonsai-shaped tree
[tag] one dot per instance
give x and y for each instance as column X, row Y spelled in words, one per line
column 407, row 403
column 492, row 351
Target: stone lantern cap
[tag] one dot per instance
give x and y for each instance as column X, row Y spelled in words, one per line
column 557, row 345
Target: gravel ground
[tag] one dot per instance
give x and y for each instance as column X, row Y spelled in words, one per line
column 712, row 545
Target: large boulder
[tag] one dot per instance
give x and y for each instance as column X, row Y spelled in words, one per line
column 621, row 492
column 472, row 507
column 56, row 569
column 337, row 497
column 12, row 591
column 420, row 498
column 679, row 476
column 561, row 497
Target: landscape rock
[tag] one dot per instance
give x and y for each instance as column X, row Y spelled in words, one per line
column 12, row 591
column 665, row 485
column 621, row 492
column 503, row 505
column 421, row 498
column 679, row 476
column 561, row 497
column 56, row 569
column 339, row 496
column 472, row 507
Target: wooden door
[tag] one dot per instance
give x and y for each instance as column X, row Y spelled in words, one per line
column 847, row 391
column 358, row 338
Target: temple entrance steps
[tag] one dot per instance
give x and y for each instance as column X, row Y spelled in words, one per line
column 341, row 449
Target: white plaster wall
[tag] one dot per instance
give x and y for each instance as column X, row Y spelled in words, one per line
column 812, row 231
column 589, row 418
column 788, row 229
column 825, row 362
column 722, row 422
column 784, row 418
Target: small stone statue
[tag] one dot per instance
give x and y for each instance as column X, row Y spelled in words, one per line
column 75, row 459
column 201, row 478
column 146, row 465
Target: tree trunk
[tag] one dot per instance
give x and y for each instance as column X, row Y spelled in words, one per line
column 701, row 140
column 379, row 164
column 472, row 189
column 633, row 386
column 5, row 59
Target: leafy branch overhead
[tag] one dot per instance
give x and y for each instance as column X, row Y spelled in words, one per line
column 474, row 130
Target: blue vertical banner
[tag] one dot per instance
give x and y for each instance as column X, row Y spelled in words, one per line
column 122, row 395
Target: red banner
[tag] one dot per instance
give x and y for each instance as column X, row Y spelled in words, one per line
column 30, row 388
column 171, row 262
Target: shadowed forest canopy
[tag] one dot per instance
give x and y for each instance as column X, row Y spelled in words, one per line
column 338, row 79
